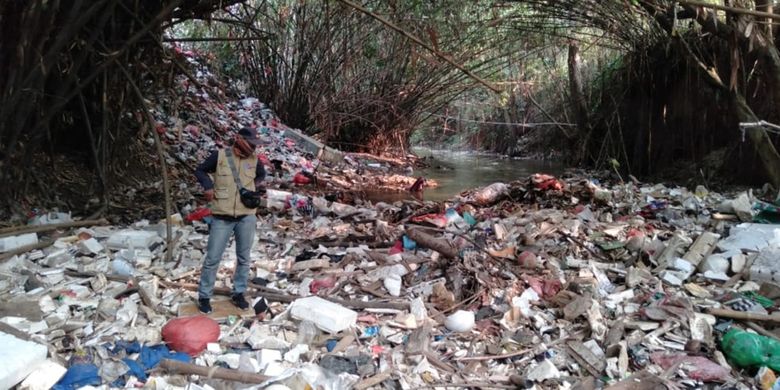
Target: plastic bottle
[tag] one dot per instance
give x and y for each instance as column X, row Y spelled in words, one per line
column 307, row 332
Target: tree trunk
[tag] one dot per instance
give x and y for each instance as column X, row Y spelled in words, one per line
column 578, row 100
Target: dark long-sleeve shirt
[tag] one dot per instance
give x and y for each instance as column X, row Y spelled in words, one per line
column 209, row 165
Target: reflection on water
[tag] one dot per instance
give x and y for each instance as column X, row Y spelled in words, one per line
column 456, row 171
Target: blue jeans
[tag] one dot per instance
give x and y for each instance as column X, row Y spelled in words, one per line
column 219, row 236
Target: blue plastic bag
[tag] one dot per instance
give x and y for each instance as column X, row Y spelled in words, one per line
column 79, row 375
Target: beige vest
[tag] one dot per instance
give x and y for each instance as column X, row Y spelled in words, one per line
column 227, row 201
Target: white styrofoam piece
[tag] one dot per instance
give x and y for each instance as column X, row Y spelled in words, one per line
column 44, row 377
column 765, row 267
column 126, row 239
column 18, row 358
column 753, row 236
column 90, row 246
column 328, row 316
column 13, row 242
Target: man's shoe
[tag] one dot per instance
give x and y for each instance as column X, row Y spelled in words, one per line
column 204, row 305
column 240, row 301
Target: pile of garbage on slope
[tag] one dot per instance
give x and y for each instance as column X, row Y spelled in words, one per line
column 199, row 117
column 546, row 283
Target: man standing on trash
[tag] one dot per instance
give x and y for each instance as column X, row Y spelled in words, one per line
column 231, row 216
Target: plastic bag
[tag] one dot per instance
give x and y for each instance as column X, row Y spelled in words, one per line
column 190, row 334
column 546, row 182
column 751, row 350
column 300, row 178
column 79, row 375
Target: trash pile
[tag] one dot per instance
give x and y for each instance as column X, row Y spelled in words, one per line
column 543, row 283
column 200, row 117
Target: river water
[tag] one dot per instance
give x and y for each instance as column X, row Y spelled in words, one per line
column 456, row 171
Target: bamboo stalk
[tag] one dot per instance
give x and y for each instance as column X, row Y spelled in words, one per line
column 423, row 44
column 163, row 165
column 729, row 9
column 748, row 316
column 177, row 367
column 14, row 230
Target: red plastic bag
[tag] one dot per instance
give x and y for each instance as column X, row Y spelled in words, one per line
column 698, row 367
column 300, row 178
column 190, row 334
column 321, row 284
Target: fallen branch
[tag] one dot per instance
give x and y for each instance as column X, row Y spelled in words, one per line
column 176, row 367
column 14, row 230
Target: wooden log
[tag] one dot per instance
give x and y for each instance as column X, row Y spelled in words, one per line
column 428, row 241
column 177, row 367
column 14, row 230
